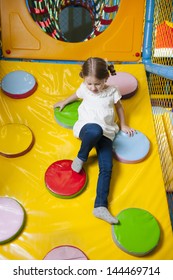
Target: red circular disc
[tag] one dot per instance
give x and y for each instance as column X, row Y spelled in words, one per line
column 66, row 252
column 62, row 181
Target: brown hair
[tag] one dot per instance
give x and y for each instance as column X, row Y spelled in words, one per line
column 97, row 67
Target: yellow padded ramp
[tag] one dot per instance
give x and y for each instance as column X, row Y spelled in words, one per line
column 53, row 221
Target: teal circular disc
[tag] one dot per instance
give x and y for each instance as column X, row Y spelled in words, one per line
column 137, row 233
column 68, row 116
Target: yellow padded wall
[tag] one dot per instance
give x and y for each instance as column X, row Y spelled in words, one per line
column 23, row 38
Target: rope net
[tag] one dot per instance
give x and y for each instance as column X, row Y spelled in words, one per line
column 161, row 91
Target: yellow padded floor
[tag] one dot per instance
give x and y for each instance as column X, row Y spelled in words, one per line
column 52, row 221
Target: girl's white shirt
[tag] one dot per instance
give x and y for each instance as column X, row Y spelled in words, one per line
column 97, row 108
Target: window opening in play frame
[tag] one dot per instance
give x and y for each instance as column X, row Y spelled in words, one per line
column 73, row 20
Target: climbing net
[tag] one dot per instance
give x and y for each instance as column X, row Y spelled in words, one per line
column 46, row 13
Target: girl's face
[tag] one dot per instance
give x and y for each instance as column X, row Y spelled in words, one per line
column 94, row 85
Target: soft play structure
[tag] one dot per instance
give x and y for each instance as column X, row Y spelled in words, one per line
column 45, row 207
column 31, row 26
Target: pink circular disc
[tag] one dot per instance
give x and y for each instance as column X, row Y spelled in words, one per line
column 12, row 218
column 62, row 181
column 125, row 82
column 65, row 253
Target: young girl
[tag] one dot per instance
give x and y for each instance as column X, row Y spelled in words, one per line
column 96, row 126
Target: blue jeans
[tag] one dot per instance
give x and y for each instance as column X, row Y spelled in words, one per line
column 91, row 135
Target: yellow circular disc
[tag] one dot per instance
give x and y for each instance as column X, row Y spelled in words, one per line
column 15, row 140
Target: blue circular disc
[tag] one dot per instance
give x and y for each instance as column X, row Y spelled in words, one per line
column 19, row 84
column 130, row 149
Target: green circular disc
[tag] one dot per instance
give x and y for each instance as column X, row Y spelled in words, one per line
column 137, row 233
column 68, row 116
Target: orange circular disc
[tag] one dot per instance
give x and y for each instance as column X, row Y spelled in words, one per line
column 15, row 140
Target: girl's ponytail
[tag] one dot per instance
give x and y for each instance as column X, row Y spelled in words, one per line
column 111, row 69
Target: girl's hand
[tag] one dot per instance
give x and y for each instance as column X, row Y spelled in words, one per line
column 60, row 105
column 128, row 130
